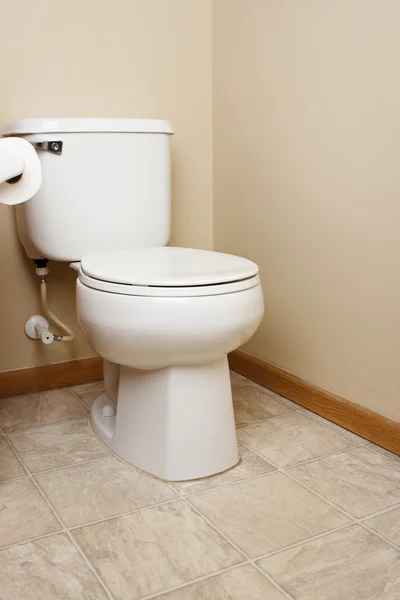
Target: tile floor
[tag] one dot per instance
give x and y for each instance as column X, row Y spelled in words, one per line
column 312, row 512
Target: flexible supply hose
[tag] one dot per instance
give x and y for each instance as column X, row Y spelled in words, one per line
column 51, row 316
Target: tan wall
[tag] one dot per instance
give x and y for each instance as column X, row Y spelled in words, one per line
column 95, row 58
column 307, row 183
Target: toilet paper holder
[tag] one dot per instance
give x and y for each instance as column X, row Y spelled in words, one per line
column 53, row 146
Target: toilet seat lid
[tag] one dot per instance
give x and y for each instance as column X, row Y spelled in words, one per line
column 167, row 267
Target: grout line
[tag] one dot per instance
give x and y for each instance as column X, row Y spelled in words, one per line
column 84, row 419
column 379, row 513
column 354, row 520
column 10, row 445
column 63, row 529
column 193, row 581
column 314, row 416
column 272, row 581
column 306, row 416
column 29, row 429
column 171, row 486
column 40, row 491
column 84, row 462
column 33, row 539
column 379, row 535
column 242, row 552
column 186, row 499
column 317, row 418
column 285, row 414
column 76, row 397
column 89, row 565
column 131, row 466
column 252, row 561
column 80, row 399
column 332, row 426
column 279, row 469
column 380, row 453
column 13, row 479
column 124, row 514
column 311, row 460
column 31, row 477
column 215, row 528
column 226, row 485
column 311, row 539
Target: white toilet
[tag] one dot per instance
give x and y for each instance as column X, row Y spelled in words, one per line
column 162, row 318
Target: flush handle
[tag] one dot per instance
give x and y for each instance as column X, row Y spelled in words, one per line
column 53, row 146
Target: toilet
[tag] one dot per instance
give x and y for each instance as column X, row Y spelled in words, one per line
column 162, row 318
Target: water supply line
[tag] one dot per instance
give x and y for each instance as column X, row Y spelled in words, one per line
column 40, row 331
column 68, row 333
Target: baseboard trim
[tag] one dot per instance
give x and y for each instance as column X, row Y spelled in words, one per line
column 49, row 377
column 351, row 416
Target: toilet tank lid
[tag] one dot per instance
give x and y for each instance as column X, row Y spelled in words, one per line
column 79, row 125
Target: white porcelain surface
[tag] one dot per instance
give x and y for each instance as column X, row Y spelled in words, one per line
column 151, row 333
column 92, row 200
column 85, row 125
column 174, row 409
column 106, row 201
column 167, row 267
column 176, row 423
column 158, row 291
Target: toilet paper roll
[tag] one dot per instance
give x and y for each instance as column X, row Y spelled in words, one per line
column 17, row 156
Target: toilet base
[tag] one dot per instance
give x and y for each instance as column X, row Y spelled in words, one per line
column 176, row 423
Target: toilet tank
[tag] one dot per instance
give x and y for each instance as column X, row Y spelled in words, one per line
column 110, row 188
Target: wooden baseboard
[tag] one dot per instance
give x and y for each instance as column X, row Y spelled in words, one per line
column 49, row 377
column 351, row 416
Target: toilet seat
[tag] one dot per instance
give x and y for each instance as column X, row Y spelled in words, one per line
column 167, row 272
column 165, row 320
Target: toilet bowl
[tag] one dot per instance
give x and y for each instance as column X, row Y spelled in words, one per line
column 163, row 319
column 169, row 326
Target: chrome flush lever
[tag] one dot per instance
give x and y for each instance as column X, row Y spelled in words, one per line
column 55, row 147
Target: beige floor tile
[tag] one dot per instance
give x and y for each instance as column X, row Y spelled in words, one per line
column 349, row 434
column 88, row 392
column 47, row 569
column 24, row 514
column 249, row 466
column 238, row 380
column 384, row 452
column 242, row 583
column 387, row 525
column 58, row 445
column 292, row 438
column 149, row 551
column 359, row 481
column 3, row 442
column 100, row 489
column 271, row 393
column 263, row 388
column 253, row 405
column 9, row 465
column 34, row 410
column 267, row 513
column 285, row 401
column 351, row 564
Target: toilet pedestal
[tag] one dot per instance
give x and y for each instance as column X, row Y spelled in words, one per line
column 176, row 423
